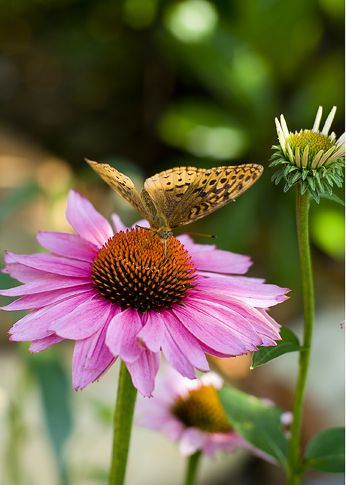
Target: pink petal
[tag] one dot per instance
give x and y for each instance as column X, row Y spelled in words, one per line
column 91, row 358
column 117, row 223
column 176, row 358
column 152, row 332
column 84, row 320
column 207, row 322
column 192, row 440
column 53, row 264
column 36, row 324
column 143, row 371
column 44, row 343
column 86, row 221
column 207, row 257
column 142, row 223
column 45, row 282
column 234, row 318
column 250, row 290
column 24, row 274
column 185, row 341
column 122, row 335
column 39, row 300
column 68, row 245
column 260, row 322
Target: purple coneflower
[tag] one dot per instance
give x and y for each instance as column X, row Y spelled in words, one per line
column 190, row 412
column 119, row 295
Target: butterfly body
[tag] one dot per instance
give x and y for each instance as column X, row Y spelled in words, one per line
column 181, row 195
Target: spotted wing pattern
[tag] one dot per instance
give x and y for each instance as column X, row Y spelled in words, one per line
column 186, row 194
column 182, row 194
column 121, row 184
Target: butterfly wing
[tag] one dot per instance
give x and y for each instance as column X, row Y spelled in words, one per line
column 120, row 183
column 167, row 189
column 187, row 194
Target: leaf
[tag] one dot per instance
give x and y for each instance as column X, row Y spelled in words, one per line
column 256, row 422
column 326, row 451
column 289, row 343
column 333, row 197
column 54, row 385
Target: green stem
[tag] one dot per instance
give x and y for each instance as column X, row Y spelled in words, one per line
column 295, row 469
column 123, row 415
column 192, row 464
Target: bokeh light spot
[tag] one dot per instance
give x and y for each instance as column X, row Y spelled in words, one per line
column 218, row 142
column 328, row 232
column 191, row 21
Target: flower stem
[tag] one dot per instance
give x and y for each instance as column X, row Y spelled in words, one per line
column 193, row 461
column 295, row 469
column 123, row 415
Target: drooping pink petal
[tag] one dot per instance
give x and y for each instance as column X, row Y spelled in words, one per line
column 232, row 321
column 44, row 343
column 117, row 223
column 91, row 358
column 250, row 290
column 207, row 257
column 176, row 358
column 84, row 320
column 185, row 341
column 152, row 332
column 224, row 441
column 53, row 264
column 39, row 300
column 86, row 221
column 36, row 324
column 24, row 274
column 142, row 223
column 68, row 245
column 143, row 371
column 45, row 282
column 192, row 440
column 122, row 333
column 213, row 332
column 260, row 322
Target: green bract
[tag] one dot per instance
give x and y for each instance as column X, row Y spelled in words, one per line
column 312, row 158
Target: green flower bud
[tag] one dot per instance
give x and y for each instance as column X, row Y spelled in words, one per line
column 311, row 158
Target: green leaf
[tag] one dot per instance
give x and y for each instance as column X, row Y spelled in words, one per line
column 295, row 177
column 311, row 182
column 333, row 197
column 256, row 422
column 303, row 187
column 289, row 343
column 315, row 195
column 326, row 451
column 55, row 388
column 277, row 176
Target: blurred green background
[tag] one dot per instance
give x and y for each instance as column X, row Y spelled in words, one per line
column 146, row 85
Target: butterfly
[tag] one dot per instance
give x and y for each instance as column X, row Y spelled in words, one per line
column 181, row 195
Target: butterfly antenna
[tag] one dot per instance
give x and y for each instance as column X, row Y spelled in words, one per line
column 204, row 235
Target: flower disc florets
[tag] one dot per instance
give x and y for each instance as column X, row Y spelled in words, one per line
column 136, row 270
column 310, row 157
column 202, row 409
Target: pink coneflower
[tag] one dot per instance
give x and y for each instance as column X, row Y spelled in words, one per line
column 190, row 412
column 120, row 295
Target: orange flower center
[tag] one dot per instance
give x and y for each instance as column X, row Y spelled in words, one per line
column 202, row 409
column 135, row 270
